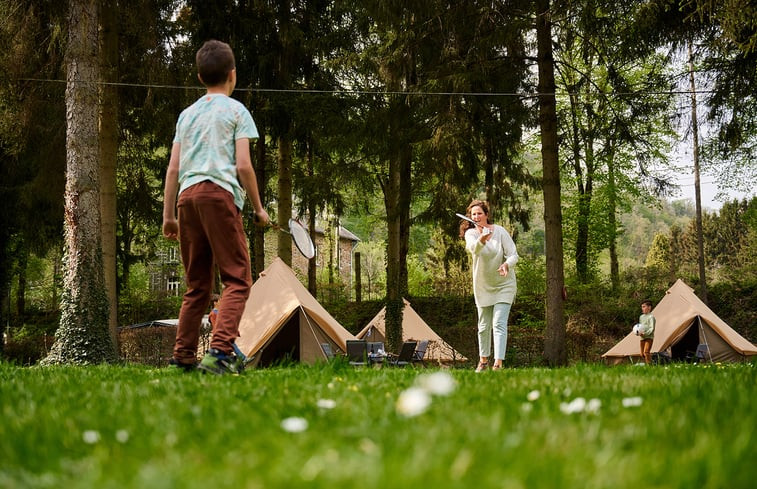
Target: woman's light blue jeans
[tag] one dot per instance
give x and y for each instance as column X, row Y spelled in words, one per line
column 493, row 318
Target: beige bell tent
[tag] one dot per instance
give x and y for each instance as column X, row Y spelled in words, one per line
column 413, row 328
column 685, row 325
column 282, row 320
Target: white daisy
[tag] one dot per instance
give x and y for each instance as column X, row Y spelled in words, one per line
column 413, row 401
column 438, row 383
column 326, row 403
column 632, row 401
column 91, row 437
column 294, row 424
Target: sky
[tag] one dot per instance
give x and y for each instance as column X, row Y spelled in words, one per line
column 708, row 183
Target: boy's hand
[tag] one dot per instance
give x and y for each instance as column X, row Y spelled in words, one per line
column 261, row 218
column 171, row 229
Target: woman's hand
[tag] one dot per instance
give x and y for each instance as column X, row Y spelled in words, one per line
column 486, row 234
column 504, row 269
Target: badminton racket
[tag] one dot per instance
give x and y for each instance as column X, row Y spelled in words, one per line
column 466, row 218
column 484, row 229
column 299, row 235
column 301, row 238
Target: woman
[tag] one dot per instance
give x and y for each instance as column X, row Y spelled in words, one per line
column 494, row 286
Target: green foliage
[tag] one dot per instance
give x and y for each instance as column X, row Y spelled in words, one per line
column 136, row 427
column 419, row 277
column 659, row 253
column 373, row 266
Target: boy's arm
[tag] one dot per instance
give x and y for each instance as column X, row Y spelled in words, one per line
column 170, row 224
column 247, row 178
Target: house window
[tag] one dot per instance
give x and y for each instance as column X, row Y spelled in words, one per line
column 173, row 285
column 173, row 254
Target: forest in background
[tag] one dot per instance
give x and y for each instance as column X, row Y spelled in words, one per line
column 389, row 118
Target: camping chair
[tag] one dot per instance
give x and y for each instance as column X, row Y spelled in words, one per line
column 357, row 352
column 406, row 355
column 702, row 354
column 420, row 351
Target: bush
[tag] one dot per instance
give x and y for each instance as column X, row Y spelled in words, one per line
column 27, row 350
column 153, row 345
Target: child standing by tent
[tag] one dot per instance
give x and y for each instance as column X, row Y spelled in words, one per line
column 646, row 331
column 210, row 169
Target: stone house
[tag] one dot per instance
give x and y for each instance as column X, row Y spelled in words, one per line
column 166, row 272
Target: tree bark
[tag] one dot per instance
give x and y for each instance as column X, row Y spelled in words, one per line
column 405, row 193
column 554, row 342
column 613, row 224
column 258, row 239
column 393, row 261
column 108, row 153
column 83, row 336
column 358, row 279
column 312, row 211
column 285, row 198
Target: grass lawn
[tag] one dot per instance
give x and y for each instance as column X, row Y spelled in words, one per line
column 333, row 426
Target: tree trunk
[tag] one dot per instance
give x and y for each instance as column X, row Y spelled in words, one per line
column 258, row 240
column 613, row 224
column 697, row 186
column 312, row 276
column 83, row 336
column 583, row 186
column 393, row 247
column 358, row 279
column 22, row 266
column 405, row 192
column 285, row 198
column 108, row 153
column 312, row 264
column 554, row 342
column 328, row 235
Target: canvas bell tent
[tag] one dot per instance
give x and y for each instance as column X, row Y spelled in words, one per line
column 685, row 328
column 414, row 328
column 283, row 321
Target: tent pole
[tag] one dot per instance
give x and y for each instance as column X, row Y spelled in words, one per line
column 704, row 336
column 310, row 325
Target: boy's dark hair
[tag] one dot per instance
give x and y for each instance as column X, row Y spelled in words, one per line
column 215, row 60
column 647, row 303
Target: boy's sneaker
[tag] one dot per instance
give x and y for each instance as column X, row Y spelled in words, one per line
column 177, row 365
column 219, row 363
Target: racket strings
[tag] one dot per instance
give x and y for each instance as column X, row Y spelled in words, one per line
column 301, row 239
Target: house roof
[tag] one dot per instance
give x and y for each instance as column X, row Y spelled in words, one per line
column 344, row 233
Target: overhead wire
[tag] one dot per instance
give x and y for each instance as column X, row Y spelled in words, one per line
column 379, row 92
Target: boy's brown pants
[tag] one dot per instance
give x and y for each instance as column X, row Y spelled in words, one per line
column 211, row 233
column 646, row 350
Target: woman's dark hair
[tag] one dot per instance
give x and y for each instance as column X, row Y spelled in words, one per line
column 466, row 225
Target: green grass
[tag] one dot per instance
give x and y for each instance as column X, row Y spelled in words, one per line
column 154, row 428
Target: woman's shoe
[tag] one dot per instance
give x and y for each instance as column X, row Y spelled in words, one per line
column 497, row 367
column 482, row 366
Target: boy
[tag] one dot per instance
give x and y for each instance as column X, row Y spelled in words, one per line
column 646, row 331
column 213, row 315
column 210, row 170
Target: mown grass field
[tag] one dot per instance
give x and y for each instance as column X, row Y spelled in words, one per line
column 136, row 427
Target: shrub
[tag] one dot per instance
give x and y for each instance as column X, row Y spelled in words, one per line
column 153, row 345
column 27, row 350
